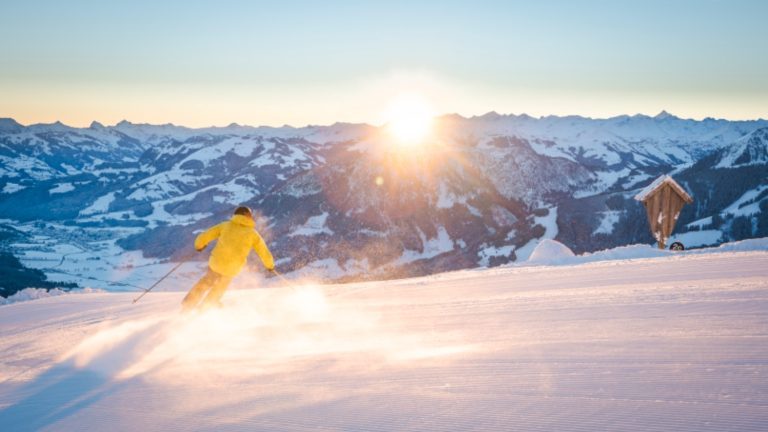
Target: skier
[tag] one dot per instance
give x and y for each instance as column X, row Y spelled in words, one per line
column 236, row 238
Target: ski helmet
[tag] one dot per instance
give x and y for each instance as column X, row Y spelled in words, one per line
column 245, row 211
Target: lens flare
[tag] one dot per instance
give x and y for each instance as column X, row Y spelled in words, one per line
column 409, row 118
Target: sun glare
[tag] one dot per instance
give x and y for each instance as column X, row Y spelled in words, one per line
column 409, row 118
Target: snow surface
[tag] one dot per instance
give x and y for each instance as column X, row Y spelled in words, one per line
column 233, row 193
column 604, row 180
column 701, row 222
column 36, row 169
column 446, row 199
column 62, row 188
column 747, row 204
column 608, row 221
column 432, row 247
column 697, row 238
column 101, row 205
column 28, row 294
column 678, row 342
column 10, row 188
column 313, row 226
column 485, row 253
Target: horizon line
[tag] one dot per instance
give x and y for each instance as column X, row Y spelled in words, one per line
column 661, row 115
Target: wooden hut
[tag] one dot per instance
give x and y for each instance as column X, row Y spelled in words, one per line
column 663, row 199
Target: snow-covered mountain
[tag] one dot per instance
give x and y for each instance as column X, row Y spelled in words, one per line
column 749, row 150
column 343, row 201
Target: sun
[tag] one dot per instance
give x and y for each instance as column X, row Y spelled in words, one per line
column 409, row 118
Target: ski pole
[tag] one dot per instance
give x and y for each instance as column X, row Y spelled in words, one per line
column 183, row 260
column 282, row 278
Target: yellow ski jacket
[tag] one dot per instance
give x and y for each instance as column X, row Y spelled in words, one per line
column 236, row 238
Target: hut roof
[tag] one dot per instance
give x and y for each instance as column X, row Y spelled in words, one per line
column 658, row 183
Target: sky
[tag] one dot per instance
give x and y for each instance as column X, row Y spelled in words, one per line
column 203, row 63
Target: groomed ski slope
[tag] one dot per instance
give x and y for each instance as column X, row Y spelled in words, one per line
column 674, row 343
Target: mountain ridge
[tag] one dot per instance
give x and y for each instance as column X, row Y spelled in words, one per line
column 663, row 114
column 343, row 201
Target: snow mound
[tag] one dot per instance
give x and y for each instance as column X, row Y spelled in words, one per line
column 28, row 294
column 749, row 245
column 635, row 251
column 551, row 252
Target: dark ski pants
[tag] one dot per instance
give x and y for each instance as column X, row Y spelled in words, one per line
column 212, row 283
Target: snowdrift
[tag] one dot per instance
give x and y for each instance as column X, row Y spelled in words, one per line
column 551, row 252
column 28, row 294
